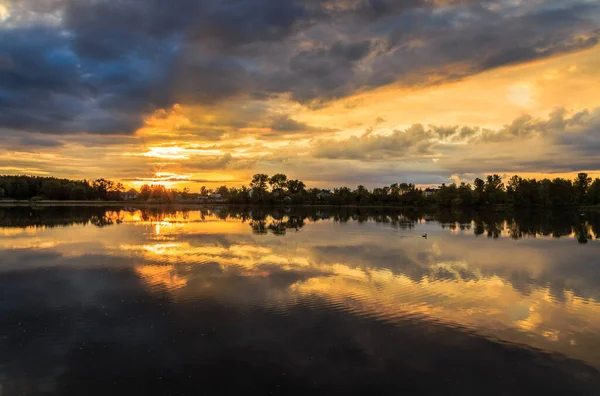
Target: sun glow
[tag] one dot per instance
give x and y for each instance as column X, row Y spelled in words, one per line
column 174, row 152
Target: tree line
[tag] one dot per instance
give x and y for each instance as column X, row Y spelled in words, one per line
column 522, row 192
column 23, row 187
column 35, row 187
column 278, row 189
column 517, row 191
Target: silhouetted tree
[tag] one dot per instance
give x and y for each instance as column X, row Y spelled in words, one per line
column 447, row 195
column 465, row 195
column 278, row 183
column 259, row 185
column 185, row 193
column 581, row 184
column 494, row 189
column 593, row 193
column 296, row 187
column 223, row 190
column 519, row 192
column 479, row 197
column 145, row 192
column 361, row 194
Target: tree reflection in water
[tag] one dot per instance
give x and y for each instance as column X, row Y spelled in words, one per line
column 278, row 221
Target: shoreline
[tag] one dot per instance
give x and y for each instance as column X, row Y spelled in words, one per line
column 183, row 204
column 8, row 204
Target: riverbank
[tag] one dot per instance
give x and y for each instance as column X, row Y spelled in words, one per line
column 197, row 204
column 44, row 203
column 186, row 204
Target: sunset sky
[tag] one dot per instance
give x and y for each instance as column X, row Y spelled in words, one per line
column 332, row 92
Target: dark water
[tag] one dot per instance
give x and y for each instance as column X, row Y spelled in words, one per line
column 128, row 302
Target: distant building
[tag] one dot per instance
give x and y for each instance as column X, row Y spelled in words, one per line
column 130, row 195
column 324, row 194
column 216, row 197
column 428, row 192
column 287, row 199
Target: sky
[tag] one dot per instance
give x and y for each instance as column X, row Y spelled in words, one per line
column 333, row 92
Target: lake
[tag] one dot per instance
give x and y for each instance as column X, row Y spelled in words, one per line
column 220, row 301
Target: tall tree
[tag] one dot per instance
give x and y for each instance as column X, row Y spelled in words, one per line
column 102, row 187
column 479, row 185
column 464, row 195
column 296, row 186
column 223, row 190
column 447, row 195
column 259, row 185
column 581, row 184
column 593, row 193
column 494, row 189
column 278, row 182
column 562, row 192
column 145, row 192
column 185, row 193
column 362, row 194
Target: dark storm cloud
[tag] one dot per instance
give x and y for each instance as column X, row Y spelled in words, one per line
column 47, row 88
column 69, row 66
column 284, row 125
column 39, row 141
column 323, row 73
column 15, row 140
column 443, row 47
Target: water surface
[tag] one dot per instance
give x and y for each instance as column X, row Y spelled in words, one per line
column 101, row 301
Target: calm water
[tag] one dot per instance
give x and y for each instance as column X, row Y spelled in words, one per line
column 127, row 302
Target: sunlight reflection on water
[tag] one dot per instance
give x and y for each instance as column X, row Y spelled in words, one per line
column 530, row 282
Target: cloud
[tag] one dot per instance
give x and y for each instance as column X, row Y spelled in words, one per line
column 47, row 88
column 583, row 134
column 284, row 125
column 562, row 142
column 159, row 180
column 70, row 66
column 415, row 141
column 15, row 140
column 38, row 141
column 568, row 130
column 211, row 163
